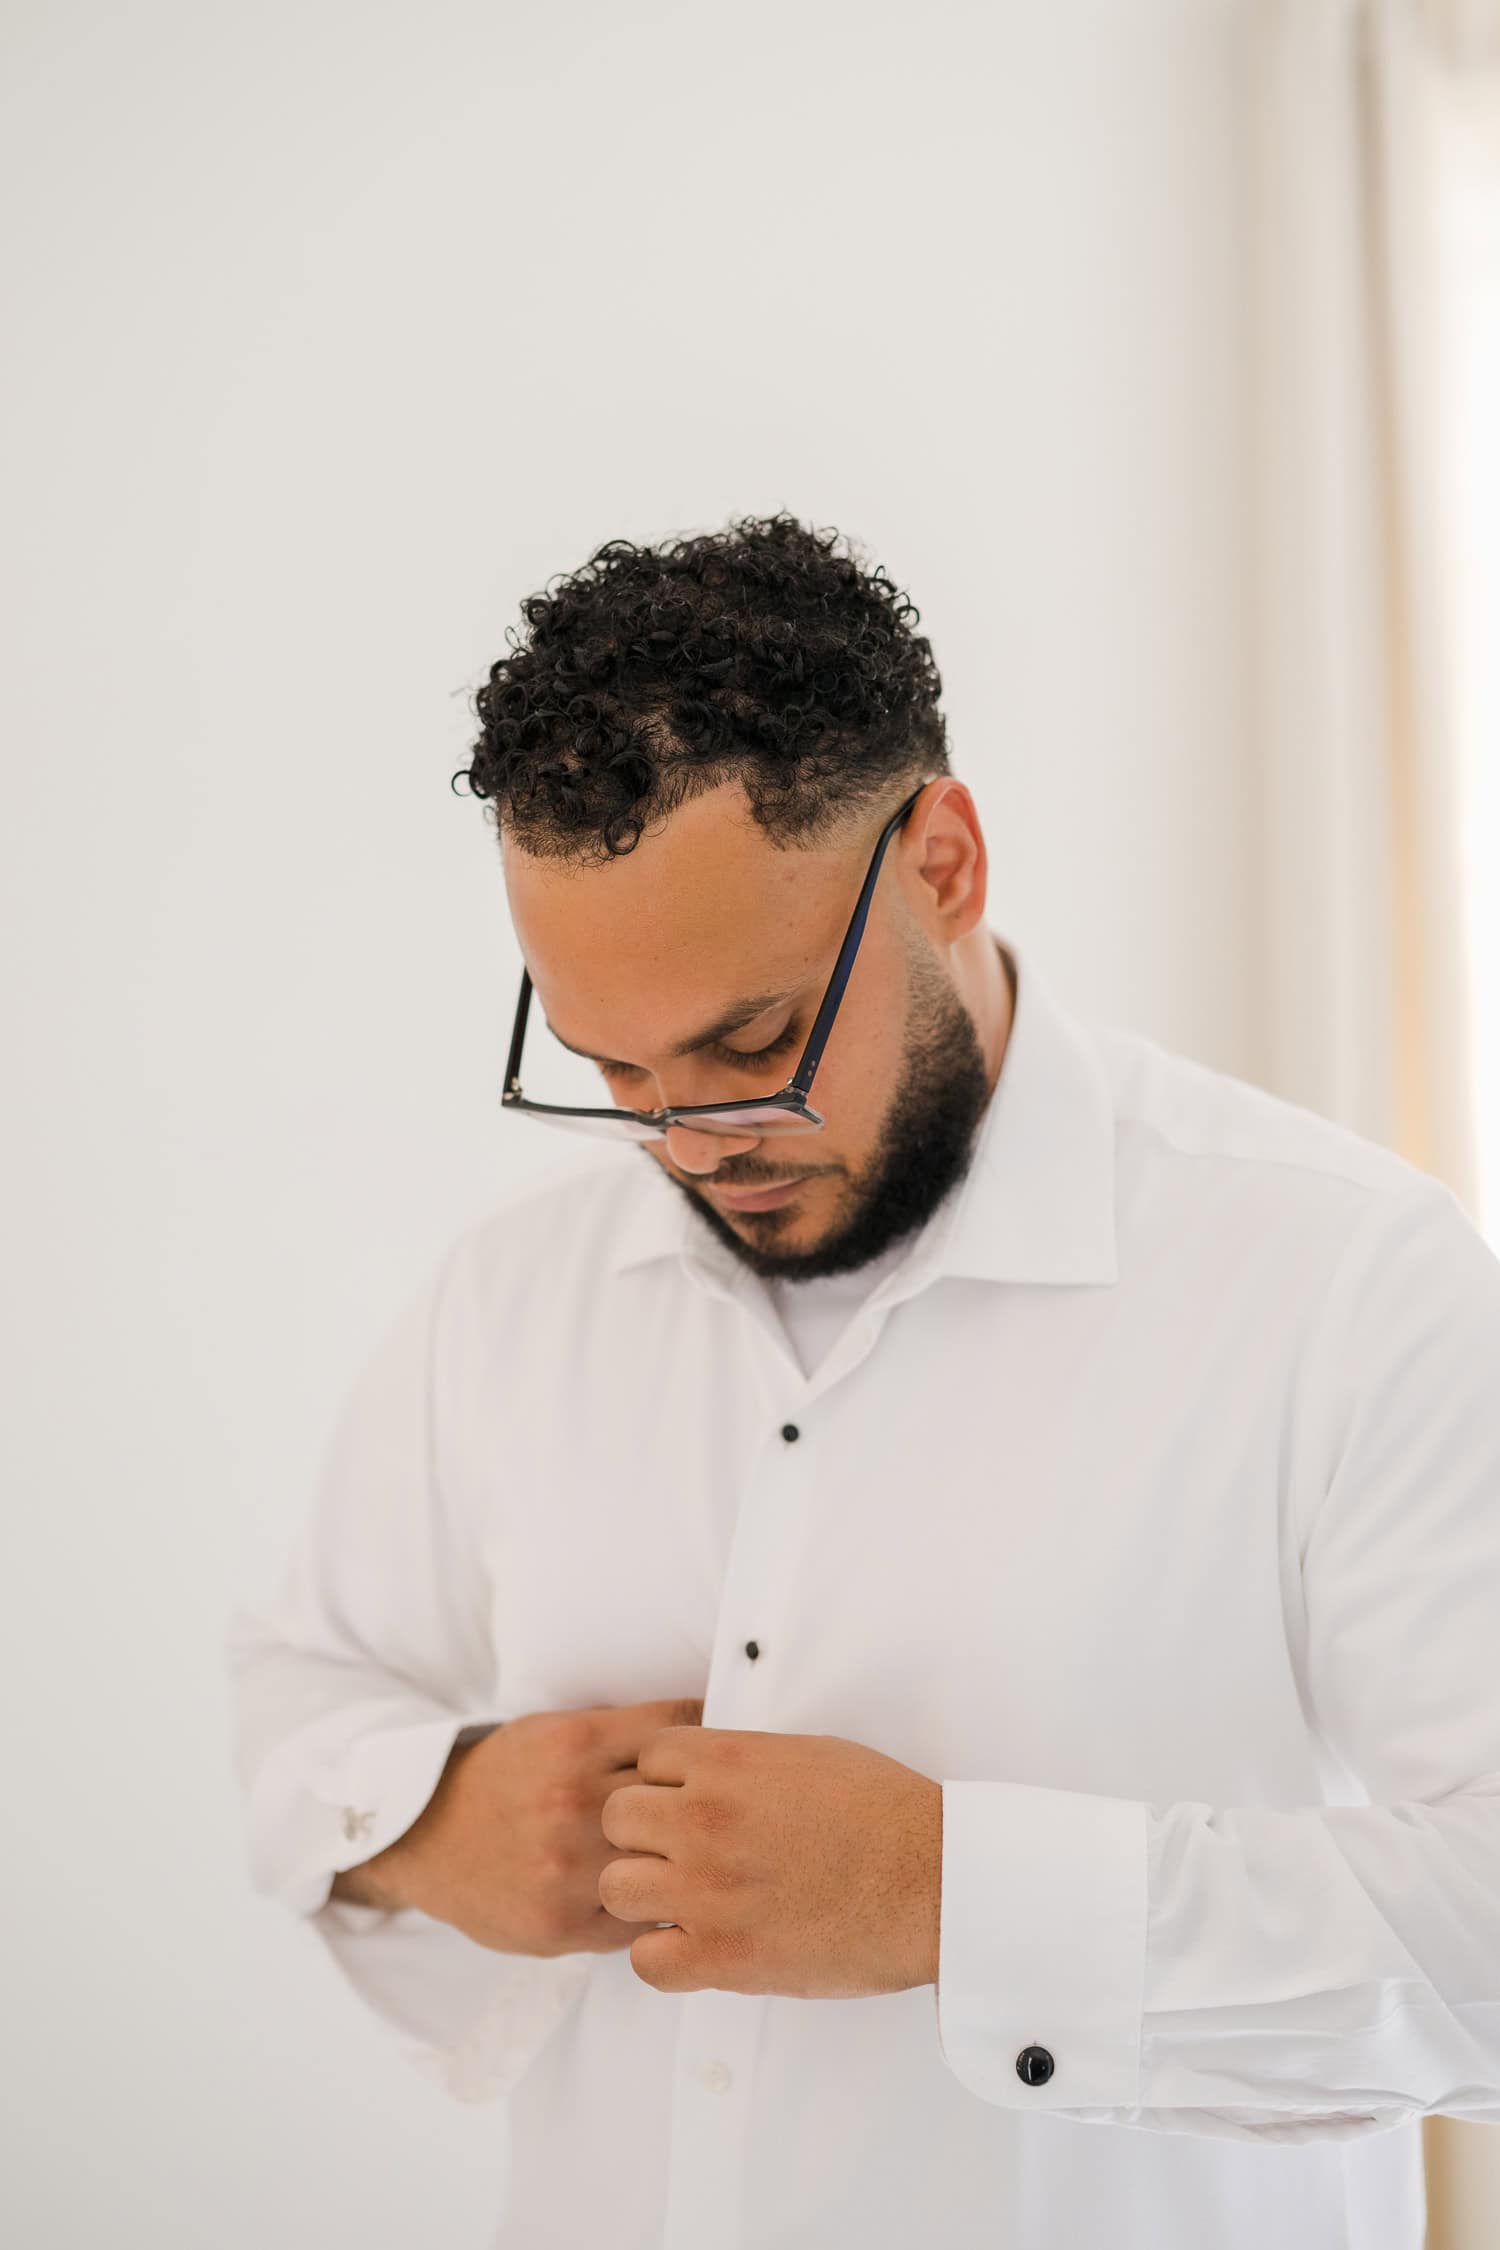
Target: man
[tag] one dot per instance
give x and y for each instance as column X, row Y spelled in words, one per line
column 909, row 1658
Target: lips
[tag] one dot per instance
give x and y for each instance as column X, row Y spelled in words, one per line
column 758, row 1199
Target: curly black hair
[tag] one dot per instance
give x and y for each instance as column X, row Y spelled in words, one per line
column 651, row 674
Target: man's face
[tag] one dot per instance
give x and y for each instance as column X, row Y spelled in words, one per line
column 631, row 958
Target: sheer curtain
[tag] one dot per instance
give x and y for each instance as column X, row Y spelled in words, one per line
column 1468, row 145
column 1376, row 317
column 1465, row 2159
column 1368, row 981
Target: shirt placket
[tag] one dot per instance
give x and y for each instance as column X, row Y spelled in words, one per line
column 718, row 2033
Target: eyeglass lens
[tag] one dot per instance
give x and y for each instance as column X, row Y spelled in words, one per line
column 769, row 1122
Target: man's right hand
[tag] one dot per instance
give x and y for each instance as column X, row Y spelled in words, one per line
column 509, row 1847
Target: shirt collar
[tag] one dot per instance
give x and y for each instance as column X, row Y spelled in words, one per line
column 1037, row 1203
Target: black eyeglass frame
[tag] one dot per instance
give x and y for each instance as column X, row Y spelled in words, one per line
column 793, row 1096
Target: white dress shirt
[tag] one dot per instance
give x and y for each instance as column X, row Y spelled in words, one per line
column 1152, row 1506
column 816, row 1313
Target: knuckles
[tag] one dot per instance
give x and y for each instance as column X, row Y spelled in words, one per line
column 561, row 1801
column 708, row 1817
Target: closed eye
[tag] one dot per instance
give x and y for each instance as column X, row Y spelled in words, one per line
column 752, row 1055
column 743, row 1058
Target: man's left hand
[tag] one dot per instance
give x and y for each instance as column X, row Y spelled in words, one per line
column 792, row 1863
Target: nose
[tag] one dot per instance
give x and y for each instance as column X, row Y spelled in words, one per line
column 705, row 1152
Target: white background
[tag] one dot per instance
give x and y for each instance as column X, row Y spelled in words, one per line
column 334, row 331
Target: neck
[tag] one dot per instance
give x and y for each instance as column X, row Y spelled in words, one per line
column 987, row 987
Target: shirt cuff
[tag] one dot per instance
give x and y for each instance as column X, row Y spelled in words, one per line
column 352, row 1807
column 1042, row 1944
column 470, row 2019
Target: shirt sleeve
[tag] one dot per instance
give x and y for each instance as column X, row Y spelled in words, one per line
column 1318, row 1972
column 351, row 1684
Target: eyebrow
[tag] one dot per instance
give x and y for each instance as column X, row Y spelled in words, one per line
column 733, row 1019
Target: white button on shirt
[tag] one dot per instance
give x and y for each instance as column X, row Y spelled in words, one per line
column 1151, row 1505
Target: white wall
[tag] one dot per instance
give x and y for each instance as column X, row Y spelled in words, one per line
column 335, row 330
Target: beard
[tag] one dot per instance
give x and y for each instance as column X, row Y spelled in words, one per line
column 924, row 1147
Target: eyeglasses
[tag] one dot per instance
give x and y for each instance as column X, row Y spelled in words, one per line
column 786, row 1112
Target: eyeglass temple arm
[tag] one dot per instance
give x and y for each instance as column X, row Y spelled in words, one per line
column 802, row 1078
column 518, row 1036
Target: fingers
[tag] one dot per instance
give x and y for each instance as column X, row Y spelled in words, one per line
column 628, row 1725
column 613, row 1935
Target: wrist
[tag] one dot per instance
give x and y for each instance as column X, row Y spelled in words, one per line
column 378, row 1881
